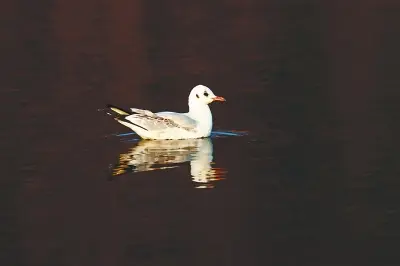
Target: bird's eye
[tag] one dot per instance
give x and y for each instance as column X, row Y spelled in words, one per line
column 205, row 94
column 197, row 96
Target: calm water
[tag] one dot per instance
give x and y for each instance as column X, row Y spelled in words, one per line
column 151, row 155
column 302, row 168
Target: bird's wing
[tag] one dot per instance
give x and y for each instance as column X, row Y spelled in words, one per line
column 182, row 120
column 161, row 121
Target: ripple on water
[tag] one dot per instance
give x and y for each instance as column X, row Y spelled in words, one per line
column 152, row 155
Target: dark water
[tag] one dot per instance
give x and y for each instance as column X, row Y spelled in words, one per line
column 314, row 181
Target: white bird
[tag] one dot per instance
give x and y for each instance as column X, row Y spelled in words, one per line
column 197, row 123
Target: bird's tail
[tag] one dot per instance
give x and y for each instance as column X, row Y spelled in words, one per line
column 120, row 115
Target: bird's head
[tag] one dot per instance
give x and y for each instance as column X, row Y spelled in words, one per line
column 204, row 95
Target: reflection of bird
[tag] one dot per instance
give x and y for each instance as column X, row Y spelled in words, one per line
column 197, row 123
column 149, row 155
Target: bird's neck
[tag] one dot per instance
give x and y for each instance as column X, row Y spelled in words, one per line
column 202, row 114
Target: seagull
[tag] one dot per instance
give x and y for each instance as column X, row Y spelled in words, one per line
column 197, row 123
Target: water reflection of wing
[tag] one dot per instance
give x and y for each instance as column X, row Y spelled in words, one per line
column 149, row 155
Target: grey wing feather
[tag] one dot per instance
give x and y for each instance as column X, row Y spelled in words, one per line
column 161, row 121
column 181, row 119
column 143, row 112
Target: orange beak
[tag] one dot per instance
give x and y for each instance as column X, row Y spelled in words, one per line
column 219, row 99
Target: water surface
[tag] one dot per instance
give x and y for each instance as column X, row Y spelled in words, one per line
column 150, row 155
column 315, row 181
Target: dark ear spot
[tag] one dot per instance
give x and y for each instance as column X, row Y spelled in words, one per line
column 205, row 94
column 197, row 96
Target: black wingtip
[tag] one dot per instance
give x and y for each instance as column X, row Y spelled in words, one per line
column 120, row 114
column 119, row 110
column 123, row 119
